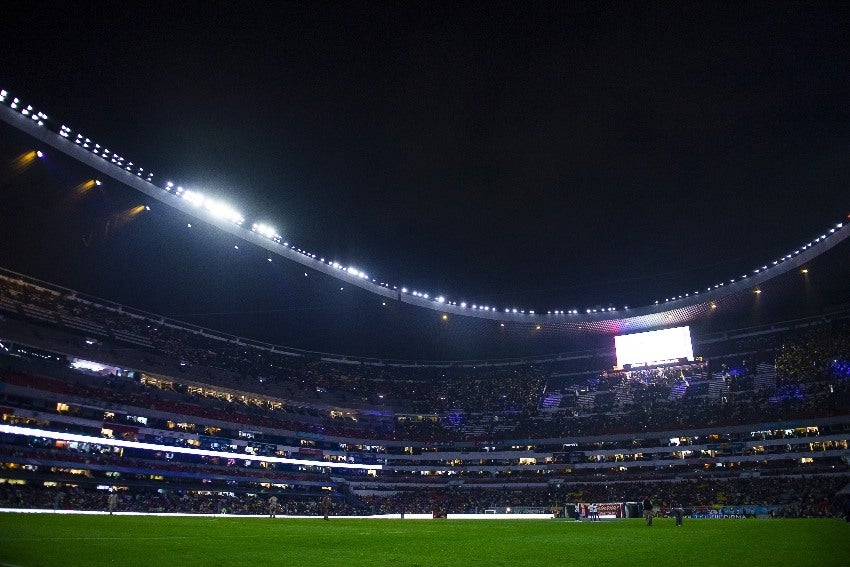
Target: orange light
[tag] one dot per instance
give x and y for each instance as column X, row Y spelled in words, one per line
column 23, row 161
column 83, row 188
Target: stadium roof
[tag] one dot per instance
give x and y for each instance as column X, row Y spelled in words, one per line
column 693, row 203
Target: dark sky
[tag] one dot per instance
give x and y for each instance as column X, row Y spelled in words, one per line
column 534, row 155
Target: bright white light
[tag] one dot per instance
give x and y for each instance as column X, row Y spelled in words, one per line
column 80, row 364
column 193, row 198
column 17, row 430
column 654, row 347
column 264, row 230
column 217, row 209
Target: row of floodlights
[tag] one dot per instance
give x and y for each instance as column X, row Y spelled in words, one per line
column 765, row 267
column 105, row 153
column 215, row 208
column 36, row 116
column 221, row 210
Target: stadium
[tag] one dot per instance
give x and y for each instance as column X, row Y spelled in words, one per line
column 384, row 422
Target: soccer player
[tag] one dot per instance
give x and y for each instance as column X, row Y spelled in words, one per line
column 112, row 502
column 678, row 512
column 326, row 506
column 273, row 506
column 647, row 510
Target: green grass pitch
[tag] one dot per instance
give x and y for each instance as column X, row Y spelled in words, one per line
column 68, row 540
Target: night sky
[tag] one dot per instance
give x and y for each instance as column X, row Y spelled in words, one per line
column 543, row 156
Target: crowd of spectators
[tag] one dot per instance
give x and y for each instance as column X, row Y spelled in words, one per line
column 814, row 357
column 147, row 500
column 446, row 403
column 274, row 371
column 97, row 462
column 813, row 496
column 653, row 409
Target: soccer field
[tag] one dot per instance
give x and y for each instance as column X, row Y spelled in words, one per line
column 67, row 540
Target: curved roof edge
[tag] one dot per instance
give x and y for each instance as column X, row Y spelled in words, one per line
column 673, row 312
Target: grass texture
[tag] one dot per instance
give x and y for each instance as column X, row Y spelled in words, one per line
column 32, row 540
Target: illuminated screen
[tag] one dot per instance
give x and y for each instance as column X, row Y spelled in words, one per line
column 654, row 347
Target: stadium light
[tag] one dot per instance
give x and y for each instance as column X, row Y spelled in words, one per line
column 221, row 210
column 73, row 437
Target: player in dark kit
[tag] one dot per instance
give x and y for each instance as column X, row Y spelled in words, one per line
column 678, row 512
column 326, row 506
column 647, row 510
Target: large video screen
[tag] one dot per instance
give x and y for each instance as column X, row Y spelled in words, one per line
column 654, row 347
